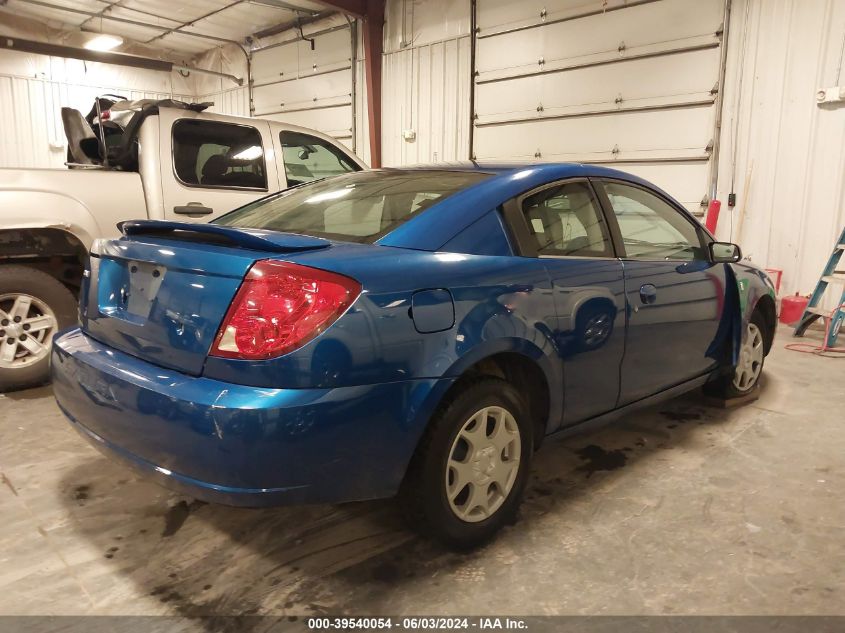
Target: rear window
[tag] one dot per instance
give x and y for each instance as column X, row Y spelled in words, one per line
column 357, row 207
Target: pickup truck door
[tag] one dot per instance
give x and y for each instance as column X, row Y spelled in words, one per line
column 211, row 164
column 304, row 155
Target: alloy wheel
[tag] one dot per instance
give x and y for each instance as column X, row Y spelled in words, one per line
column 27, row 325
column 750, row 359
column 483, row 464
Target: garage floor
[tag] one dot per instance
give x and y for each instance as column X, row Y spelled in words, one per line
column 678, row 509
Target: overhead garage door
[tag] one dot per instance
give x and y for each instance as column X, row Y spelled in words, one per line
column 628, row 84
column 301, row 86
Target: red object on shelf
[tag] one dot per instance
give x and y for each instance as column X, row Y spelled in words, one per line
column 712, row 215
column 791, row 308
column 776, row 274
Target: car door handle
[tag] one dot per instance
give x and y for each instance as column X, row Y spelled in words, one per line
column 193, row 208
column 648, row 293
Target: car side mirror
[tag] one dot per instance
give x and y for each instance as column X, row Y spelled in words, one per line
column 724, row 253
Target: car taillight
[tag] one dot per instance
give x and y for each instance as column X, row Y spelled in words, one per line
column 280, row 307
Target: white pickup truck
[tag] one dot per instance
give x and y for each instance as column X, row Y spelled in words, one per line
column 161, row 160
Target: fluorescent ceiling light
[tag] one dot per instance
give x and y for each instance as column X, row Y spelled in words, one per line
column 250, row 153
column 103, row 42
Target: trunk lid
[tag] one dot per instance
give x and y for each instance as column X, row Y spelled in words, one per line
column 160, row 292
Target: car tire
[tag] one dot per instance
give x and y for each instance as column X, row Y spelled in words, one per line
column 447, row 476
column 49, row 306
column 745, row 377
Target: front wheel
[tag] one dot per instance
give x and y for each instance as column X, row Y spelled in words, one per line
column 752, row 354
column 468, row 475
column 33, row 307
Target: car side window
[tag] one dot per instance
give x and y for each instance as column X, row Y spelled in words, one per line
column 651, row 228
column 310, row 158
column 216, row 154
column 566, row 220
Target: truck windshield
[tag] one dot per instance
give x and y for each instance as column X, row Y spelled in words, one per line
column 356, row 207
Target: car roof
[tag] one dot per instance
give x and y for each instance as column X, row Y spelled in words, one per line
column 442, row 221
column 550, row 169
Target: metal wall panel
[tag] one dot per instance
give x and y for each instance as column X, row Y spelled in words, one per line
column 31, row 133
column 683, row 79
column 309, row 92
column 410, row 23
column 325, row 119
column 631, row 85
column 234, row 101
column 426, row 91
column 784, row 154
column 313, row 88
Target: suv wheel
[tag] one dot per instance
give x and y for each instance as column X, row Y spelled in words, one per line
column 33, row 307
column 468, row 476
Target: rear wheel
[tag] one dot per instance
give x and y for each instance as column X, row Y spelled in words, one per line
column 33, row 307
column 752, row 354
column 468, row 475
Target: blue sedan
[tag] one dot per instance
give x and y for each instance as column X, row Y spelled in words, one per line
column 403, row 331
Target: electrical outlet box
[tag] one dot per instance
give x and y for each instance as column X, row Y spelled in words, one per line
column 831, row 95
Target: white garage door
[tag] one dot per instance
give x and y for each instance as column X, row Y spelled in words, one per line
column 630, row 84
column 301, row 86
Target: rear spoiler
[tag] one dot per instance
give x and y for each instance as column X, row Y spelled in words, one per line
column 253, row 239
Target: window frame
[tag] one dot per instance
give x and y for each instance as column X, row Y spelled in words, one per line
column 176, row 122
column 338, row 148
column 521, row 238
column 616, row 231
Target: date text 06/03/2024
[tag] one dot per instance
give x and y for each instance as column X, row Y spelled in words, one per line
column 416, row 623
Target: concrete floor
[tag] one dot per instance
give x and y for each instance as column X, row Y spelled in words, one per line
column 679, row 509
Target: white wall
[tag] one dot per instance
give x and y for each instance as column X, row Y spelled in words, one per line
column 34, row 88
column 774, row 136
column 425, row 82
column 228, row 97
column 789, row 151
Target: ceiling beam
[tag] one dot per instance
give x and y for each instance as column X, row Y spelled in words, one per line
column 103, row 57
column 280, row 4
column 58, row 50
column 357, row 8
column 298, row 23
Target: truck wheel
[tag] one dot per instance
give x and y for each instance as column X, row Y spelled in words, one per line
column 33, row 307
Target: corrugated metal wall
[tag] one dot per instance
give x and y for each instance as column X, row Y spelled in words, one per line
column 426, row 82
column 784, row 153
column 426, row 92
column 624, row 84
column 234, row 101
column 306, row 86
column 774, row 136
column 33, row 89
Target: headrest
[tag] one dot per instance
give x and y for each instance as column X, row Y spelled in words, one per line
column 215, row 166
